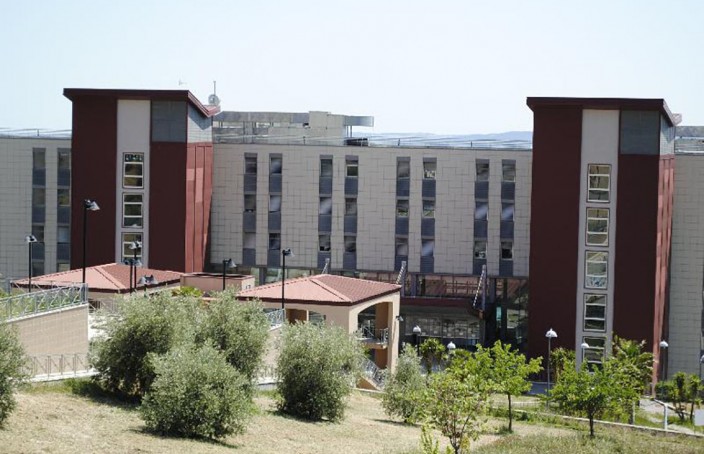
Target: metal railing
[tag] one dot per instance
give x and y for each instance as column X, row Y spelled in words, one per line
column 372, row 372
column 276, row 318
column 379, row 336
column 30, row 303
column 267, row 374
column 59, row 365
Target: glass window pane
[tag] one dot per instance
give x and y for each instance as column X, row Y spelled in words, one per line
column 250, row 240
column 351, row 207
column 38, row 159
column 250, row 203
column 324, row 243
column 133, row 210
column 275, row 166
column 133, row 182
column 350, row 244
column 428, row 208
column 402, row 247
column 63, row 235
column 427, row 248
column 482, row 171
column 274, row 203
column 274, row 241
column 508, row 171
column 38, row 196
column 38, row 232
column 326, row 168
column 64, row 160
column 507, row 211
column 133, row 198
column 507, row 250
column 594, row 325
column 325, row 205
column 402, row 208
column 403, row 169
column 595, row 312
column 480, row 250
column 133, row 169
column 429, row 170
column 352, row 169
column 63, row 197
column 481, row 212
column 127, row 240
column 250, row 165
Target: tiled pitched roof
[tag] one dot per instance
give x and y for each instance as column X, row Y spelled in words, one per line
column 111, row 277
column 323, row 288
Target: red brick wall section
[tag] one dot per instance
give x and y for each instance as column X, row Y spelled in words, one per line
column 554, row 229
column 93, row 176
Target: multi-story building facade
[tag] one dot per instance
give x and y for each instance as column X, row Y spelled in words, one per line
column 586, row 215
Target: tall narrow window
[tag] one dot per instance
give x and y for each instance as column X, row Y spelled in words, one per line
column 427, row 248
column 127, row 240
column 429, row 208
column 508, row 171
column 507, row 211
column 326, row 168
column 249, row 240
column 132, row 210
column 597, row 227
column 38, row 197
column 482, row 170
column 402, row 246
column 350, row 207
column 275, row 165
column 481, row 210
column 250, row 203
column 352, row 168
column 250, row 165
column 274, row 203
column 595, row 353
column 133, row 170
column 596, row 272
column 324, row 243
column 594, row 312
column 350, row 244
column 274, row 241
column 39, row 159
column 480, row 250
column 507, row 250
column 401, row 208
column 599, row 183
column 64, row 159
column 403, row 170
column 325, row 206
column 63, row 197
column 429, row 170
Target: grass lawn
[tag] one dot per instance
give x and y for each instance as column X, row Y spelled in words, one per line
column 49, row 418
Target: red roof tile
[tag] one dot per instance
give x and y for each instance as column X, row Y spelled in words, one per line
column 111, row 277
column 323, row 288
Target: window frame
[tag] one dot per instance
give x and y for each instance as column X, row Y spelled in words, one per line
column 591, row 189
column 250, row 197
column 587, row 304
column 326, row 161
column 271, row 197
column 597, row 233
column 486, row 214
column 475, row 250
column 401, row 241
column 125, row 216
column 136, row 236
column 432, row 172
column 481, row 176
column 501, row 256
column 325, row 204
column 590, row 278
column 504, row 164
column 272, row 170
column 248, row 160
column 324, row 246
column 135, row 163
column 408, row 208
column 349, row 165
column 401, row 165
column 348, row 202
column 350, row 240
column 599, row 349
column 428, row 213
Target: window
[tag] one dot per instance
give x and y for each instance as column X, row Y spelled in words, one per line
column 326, row 168
column 350, row 207
column 38, row 232
column 133, row 170
column 63, row 197
column 507, row 211
column 595, row 353
column 250, row 203
column 427, row 248
column 594, row 312
column 596, row 269
column 61, row 267
column 401, row 208
column 274, row 241
column 482, row 170
column 481, row 210
column 249, row 240
column 325, row 206
column 63, row 234
column 37, row 267
column 403, row 170
column 352, row 168
column 507, row 250
column 401, row 247
column 351, row 244
column 429, row 170
column 508, row 171
column 324, row 243
column 250, row 165
column 480, row 250
column 599, row 183
column 127, row 240
column 38, row 158
column 132, row 210
column 275, row 165
column 428, row 208
column 64, row 159
column 274, row 203
column 597, row 227
column 38, row 197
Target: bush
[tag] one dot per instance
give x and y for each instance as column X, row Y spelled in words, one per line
column 141, row 326
column 318, row 366
column 196, row 393
column 239, row 329
column 404, row 388
column 11, row 369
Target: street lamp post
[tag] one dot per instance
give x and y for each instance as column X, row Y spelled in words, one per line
column 663, row 349
column 146, row 281
column 451, row 347
column 88, row 205
column 550, row 335
column 31, row 239
column 416, row 338
column 226, row 264
column 134, row 263
column 284, row 253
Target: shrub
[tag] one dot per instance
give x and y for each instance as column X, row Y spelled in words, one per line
column 404, row 388
column 317, row 367
column 239, row 329
column 432, row 352
column 141, row 326
column 196, row 393
column 11, row 368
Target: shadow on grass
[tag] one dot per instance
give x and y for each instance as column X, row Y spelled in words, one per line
column 208, row 441
column 89, row 388
column 391, row 422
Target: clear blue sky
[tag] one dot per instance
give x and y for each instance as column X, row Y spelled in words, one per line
column 417, row 66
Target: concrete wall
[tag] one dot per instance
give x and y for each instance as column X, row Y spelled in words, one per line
column 376, row 205
column 63, row 331
column 687, row 266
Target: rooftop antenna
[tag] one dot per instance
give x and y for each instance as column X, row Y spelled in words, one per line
column 213, row 99
column 181, row 82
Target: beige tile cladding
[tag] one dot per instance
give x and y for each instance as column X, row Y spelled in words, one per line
column 687, row 265
column 16, row 203
column 58, row 332
column 376, row 205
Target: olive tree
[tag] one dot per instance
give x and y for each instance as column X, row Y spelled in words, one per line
column 404, row 387
column 317, row 367
column 12, row 375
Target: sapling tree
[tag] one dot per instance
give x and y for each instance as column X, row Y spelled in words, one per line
column 404, row 387
column 432, row 352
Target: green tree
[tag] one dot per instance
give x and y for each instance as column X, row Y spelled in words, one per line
column 12, row 375
column 142, row 326
column 239, row 329
column 318, row 365
column 455, row 406
column 682, row 390
column 561, row 358
column 196, row 393
column 630, row 353
column 404, row 387
column 509, row 373
column 432, row 352
column 591, row 392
